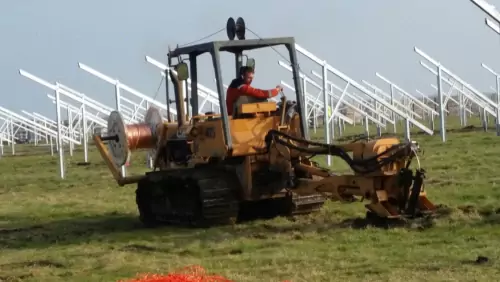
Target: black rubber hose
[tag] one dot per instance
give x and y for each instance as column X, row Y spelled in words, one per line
column 359, row 166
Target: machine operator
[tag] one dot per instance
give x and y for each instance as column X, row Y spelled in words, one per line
column 240, row 92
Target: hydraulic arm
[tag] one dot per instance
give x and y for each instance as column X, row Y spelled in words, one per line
column 381, row 173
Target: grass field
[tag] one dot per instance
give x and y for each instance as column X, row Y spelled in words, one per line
column 85, row 228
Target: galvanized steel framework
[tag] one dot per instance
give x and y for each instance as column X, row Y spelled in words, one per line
column 364, row 100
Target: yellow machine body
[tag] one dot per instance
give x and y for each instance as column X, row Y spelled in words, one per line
column 381, row 188
column 200, row 177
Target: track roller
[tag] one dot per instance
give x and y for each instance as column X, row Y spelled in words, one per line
column 197, row 197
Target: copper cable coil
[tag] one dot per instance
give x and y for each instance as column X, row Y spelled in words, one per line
column 140, row 136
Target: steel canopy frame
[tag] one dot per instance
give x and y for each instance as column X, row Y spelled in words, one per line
column 316, row 100
column 63, row 91
column 362, row 103
column 89, row 104
column 492, row 12
column 86, row 102
column 497, row 90
column 29, row 125
column 26, row 121
column 90, row 117
column 488, row 9
column 121, row 86
column 422, row 105
column 35, row 120
column 391, row 99
column 350, row 82
column 83, row 110
column 58, row 91
column 468, row 90
column 8, row 130
column 462, row 90
column 85, row 118
column 49, row 124
column 466, row 98
column 309, row 100
column 470, row 94
column 457, row 78
column 128, row 113
column 317, row 103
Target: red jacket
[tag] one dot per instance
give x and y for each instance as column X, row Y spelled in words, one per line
column 238, row 87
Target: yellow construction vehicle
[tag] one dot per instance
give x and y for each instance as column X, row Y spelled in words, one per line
column 215, row 168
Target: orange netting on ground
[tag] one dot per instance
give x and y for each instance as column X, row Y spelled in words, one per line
column 188, row 274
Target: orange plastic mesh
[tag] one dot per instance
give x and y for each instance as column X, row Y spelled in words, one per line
column 188, row 274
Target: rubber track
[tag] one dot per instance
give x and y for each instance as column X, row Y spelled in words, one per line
column 216, row 203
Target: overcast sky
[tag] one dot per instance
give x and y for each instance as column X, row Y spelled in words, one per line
column 359, row 37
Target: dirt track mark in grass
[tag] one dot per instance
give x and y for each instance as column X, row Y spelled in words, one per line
column 9, row 231
column 35, row 263
column 142, row 248
column 21, row 277
column 480, row 260
column 66, row 231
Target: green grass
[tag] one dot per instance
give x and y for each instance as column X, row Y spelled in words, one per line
column 85, row 228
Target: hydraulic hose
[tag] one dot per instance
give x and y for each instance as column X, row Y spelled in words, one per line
column 364, row 166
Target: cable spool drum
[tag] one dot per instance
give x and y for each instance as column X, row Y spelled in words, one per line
column 123, row 139
column 119, row 147
column 153, row 119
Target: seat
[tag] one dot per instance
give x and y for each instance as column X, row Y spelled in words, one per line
column 242, row 100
